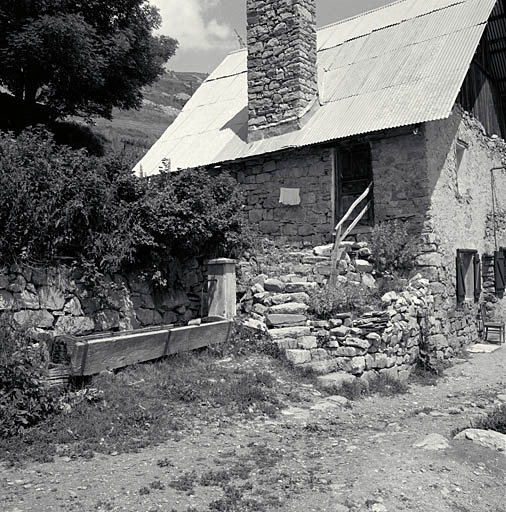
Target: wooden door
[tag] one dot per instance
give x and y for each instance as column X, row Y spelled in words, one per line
column 354, row 174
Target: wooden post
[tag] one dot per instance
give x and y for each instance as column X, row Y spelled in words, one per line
column 222, row 288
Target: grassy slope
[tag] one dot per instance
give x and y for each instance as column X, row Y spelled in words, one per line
column 133, row 132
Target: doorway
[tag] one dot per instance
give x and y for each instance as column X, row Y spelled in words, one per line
column 353, row 176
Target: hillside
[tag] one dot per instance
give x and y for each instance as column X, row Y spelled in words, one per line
column 132, row 132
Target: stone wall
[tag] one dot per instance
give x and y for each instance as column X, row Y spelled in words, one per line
column 59, row 300
column 307, row 172
column 399, row 167
column 417, row 178
column 379, row 342
column 459, row 218
column 282, row 74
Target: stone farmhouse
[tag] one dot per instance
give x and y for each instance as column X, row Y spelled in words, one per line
column 409, row 98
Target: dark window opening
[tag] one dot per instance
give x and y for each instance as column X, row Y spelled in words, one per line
column 468, row 267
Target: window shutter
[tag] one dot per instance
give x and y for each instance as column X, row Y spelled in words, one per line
column 461, row 279
column 500, row 282
column 477, row 276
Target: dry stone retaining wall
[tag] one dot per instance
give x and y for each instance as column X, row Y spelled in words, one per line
column 58, row 300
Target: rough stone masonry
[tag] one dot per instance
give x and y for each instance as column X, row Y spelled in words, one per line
column 282, row 73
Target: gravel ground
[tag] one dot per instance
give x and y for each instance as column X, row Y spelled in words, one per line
column 318, row 455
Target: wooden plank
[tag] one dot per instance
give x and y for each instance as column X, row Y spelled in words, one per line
column 91, row 355
column 184, row 339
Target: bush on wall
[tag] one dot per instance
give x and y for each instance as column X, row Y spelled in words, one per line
column 56, row 202
column 392, row 246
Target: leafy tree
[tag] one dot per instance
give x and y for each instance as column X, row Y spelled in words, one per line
column 80, row 57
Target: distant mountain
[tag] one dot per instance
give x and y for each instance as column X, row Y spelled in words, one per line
column 133, row 132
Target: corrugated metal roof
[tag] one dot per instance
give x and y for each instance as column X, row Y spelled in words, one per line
column 399, row 65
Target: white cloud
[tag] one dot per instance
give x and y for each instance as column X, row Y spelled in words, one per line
column 190, row 22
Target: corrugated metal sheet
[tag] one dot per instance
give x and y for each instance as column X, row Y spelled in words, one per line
column 402, row 64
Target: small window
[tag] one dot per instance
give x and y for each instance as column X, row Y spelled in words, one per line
column 468, row 275
column 460, row 167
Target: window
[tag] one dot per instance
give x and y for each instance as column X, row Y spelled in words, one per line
column 463, row 183
column 468, row 275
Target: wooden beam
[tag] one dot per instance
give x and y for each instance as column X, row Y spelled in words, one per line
column 93, row 354
column 184, row 339
column 353, row 206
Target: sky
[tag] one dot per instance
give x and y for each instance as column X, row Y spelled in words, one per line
column 206, row 29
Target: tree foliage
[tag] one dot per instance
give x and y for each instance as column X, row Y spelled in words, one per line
column 80, row 57
column 57, row 202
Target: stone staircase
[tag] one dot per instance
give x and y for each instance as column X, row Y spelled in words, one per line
column 278, row 300
column 385, row 341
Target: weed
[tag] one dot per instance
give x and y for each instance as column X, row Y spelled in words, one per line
column 164, row 463
column 494, row 420
column 186, row 482
column 383, row 385
column 104, row 505
column 235, row 501
column 327, row 301
column 426, row 376
column 143, row 491
column 157, row 485
column 215, row 478
column 265, row 457
column 392, row 246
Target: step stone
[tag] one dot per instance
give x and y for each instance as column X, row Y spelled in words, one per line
column 284, row 298
column 299, row 287
column 298, row 357
column 289, row 332
column 291, row 308
column 274, row 320
column 274, row 285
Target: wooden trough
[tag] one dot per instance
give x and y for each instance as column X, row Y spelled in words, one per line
column 92, row 354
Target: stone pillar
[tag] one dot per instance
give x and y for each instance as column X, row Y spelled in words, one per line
column 222, row 288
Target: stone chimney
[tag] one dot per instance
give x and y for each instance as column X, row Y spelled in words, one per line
column 282, row 74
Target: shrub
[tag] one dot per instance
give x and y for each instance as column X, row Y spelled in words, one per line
column 392, row 246
column 25, row 398
column 57, row 202
column 325, row 302
column 494, row 420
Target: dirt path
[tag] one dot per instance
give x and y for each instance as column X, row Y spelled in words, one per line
column 318, row 456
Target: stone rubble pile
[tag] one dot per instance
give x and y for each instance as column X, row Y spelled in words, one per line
column 385, row 341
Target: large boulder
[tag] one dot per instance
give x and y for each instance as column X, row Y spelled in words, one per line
column 486, row 438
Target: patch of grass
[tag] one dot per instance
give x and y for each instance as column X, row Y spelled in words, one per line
column 325, row 302
column 383, row 385
column 234, row 500
column 147, row 404
column 186, row 482
column 425, row 376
